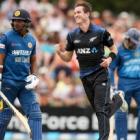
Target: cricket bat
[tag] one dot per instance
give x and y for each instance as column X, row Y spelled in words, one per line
column 21, row 117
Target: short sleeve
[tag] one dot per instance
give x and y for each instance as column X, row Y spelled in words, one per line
column 3, row 39
column 107, row 39
column 34, row 50
column 70, row 44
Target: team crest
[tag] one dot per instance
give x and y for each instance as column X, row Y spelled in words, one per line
column 17, row 13
column 30, row 45
column 1, row 104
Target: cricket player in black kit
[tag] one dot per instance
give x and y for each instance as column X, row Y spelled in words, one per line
column 88, row 41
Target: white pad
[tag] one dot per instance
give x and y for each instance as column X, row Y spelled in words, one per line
column 32, row 82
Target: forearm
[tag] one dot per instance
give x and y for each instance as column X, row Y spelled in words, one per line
column 112, row 55
column 113, row 52
column 33, row 65
column 65, row 56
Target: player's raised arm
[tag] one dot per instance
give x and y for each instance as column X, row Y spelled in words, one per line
column 63, row 53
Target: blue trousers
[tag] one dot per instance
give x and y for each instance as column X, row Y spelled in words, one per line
column 121, row 117
column 16, row 89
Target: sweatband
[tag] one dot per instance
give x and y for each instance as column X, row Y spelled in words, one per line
column 112, row 55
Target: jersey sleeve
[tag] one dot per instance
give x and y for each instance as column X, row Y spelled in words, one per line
column 34, row 48
column 70, row 44
column 107, row 39
column 3, row 44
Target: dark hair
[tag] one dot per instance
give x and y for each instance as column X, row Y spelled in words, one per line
column 86, row 7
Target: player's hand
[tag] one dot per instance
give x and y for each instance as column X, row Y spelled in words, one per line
column 32, row 82
column 106, row 62
column 60, row 48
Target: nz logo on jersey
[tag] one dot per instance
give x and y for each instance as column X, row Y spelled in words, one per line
column 87, row 50
column 92, row 39
column 76, row 41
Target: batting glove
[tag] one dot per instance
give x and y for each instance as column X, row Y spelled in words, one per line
column 32, row 82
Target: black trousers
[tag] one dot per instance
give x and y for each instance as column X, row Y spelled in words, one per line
column 97, row 88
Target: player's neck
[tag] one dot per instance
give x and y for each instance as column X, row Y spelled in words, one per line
column 23, row 32
column 85, row 26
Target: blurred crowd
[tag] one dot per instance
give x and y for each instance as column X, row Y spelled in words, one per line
column 59, row 83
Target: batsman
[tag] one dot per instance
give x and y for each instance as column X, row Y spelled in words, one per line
column 17, row 73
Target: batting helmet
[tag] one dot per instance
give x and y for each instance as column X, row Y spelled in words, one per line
column 21, row 14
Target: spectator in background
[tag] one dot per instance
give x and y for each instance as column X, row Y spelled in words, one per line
column 45, row 7
column 63, row 5
column 127, row 64
column 55, row 21
column 8, row 6
column 108, row 18
column 4, row 22
column 45, row 86
column 29, row 5
column 67, row 92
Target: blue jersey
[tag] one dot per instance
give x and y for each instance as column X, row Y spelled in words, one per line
column 127, row 63
column 18, row 51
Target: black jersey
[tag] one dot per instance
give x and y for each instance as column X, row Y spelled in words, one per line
column 89, row 47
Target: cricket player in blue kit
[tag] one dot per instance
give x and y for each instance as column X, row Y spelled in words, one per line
column 17, row 73
column 127, row 64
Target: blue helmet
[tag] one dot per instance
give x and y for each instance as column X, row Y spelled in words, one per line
column 21, row 14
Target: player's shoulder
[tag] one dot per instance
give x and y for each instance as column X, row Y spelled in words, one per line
column 8, row 33
column 5, row 35
column 74, row 31
column 31, row 38
column 97, row 28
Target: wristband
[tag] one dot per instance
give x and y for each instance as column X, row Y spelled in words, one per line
column 112, row 55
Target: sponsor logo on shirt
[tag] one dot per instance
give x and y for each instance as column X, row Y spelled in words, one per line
column 83, row 51
column 87, row 50
column 21, row 52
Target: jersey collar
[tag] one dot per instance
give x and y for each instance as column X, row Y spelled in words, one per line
column 89, row 29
